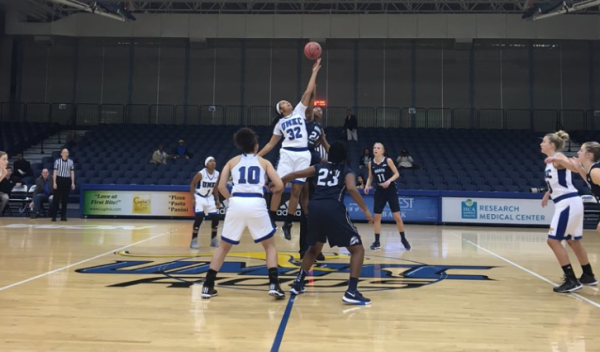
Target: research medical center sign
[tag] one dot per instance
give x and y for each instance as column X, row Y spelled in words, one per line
column 496, row 211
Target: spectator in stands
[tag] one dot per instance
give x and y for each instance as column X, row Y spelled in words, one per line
column 404, row 160
column 22, row 167
column 43, row 192
column 360, row 182
column 351, row 126
column 6, row 186
column 181, row 151
column 3, row 174
column 159, row 157
column 364, row 160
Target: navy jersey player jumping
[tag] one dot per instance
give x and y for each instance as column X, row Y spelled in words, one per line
column 316, row 141
column 384, row 173
column 328, row 220
column 567, row 222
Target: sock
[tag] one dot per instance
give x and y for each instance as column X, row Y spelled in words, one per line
column 402, row 235
column 211, row 275
column 568, row 269
column 273, row 275
column 197, row 223
column 587, row 269
column 376, row 237
column 214, row 225
column 352, row 284
column 289, row 218
column 301, row 276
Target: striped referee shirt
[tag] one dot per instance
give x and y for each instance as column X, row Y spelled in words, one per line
column 63, row 168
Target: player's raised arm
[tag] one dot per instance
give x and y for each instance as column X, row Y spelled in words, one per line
column 311, row 83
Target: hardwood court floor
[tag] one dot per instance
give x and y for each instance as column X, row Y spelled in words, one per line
column 60, row 290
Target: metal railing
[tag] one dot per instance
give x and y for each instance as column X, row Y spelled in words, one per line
column 85, row 114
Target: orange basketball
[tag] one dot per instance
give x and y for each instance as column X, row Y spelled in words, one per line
column 312, row 50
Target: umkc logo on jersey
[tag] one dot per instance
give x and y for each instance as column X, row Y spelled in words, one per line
column 249, row 271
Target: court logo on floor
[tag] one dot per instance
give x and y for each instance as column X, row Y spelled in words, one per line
column 248, row 271
column 469, row 209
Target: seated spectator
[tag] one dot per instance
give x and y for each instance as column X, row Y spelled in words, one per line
column 360, row 182
column 181, row 151
column 22, row 168
column 365, row 158
column 43, row 192
column 404, row 160
column 6, row 186
column 159, row 157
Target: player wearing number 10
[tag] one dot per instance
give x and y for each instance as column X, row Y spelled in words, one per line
column 294, row 154
column 247, row 208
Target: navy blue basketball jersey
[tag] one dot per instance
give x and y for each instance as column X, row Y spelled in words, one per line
column 595, row 188
column 331, row 181
column 314, row 130
column 381, row 173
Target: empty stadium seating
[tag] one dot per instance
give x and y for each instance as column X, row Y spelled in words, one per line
column 450, row 159
column 17, row 136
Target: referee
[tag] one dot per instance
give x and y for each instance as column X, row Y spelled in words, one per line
column 64, row 182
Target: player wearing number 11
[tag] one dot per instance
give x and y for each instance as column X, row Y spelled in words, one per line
column 247, row 208
column 384, row 173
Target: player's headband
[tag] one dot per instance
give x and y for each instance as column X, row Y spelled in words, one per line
column 207, row 160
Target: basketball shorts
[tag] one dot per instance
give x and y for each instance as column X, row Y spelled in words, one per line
column 248, row 213
column 567, row 222
column 383, row 196
column 290, row 161
column 205, row 205
column 328, row 221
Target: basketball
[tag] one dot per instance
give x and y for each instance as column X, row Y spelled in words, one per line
column 312, row 50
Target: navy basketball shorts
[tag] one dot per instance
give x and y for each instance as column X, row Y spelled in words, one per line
column 383, row 196
column 328, row 221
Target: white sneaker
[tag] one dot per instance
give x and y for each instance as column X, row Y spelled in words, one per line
column 214, row 242
column 194, row 244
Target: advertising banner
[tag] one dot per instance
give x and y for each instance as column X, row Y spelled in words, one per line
column 136, row 203
column 500, row 211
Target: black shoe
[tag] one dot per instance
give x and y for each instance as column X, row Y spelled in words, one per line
column 406, row 244
column 588, row 280
column 320, row 257
column 286, row 229
column 208, row 291
column 35, row 215
column 570, row 285
column 63, row 219
column 53, row 219
column 276, row 291
column 355, row 298
column 297, row 288
column 375, row 246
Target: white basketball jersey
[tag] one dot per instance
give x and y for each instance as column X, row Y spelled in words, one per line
column 206, row 186
column 559, row 181
column 248, row 175
column 293, row 128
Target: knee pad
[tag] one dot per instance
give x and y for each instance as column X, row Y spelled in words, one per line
column 214, row 221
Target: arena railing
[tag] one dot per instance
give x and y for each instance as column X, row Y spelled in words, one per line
column 90, row 114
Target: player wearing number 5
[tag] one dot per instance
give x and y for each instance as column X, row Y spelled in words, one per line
column 383, row 171
column 294, row 154
column 247, row 208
